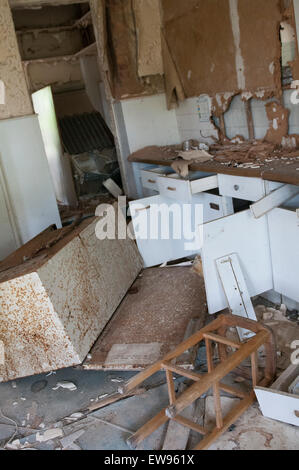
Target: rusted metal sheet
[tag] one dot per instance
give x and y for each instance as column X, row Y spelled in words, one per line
column 162, row 308
column 53, row 307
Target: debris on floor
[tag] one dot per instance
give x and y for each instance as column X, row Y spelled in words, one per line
column 169, row 303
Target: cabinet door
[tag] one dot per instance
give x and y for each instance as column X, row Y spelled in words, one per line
column 181, row 222
column 160, row 240
column 7, row 240
column 240, row 233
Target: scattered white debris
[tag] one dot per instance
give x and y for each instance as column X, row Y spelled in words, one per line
column 42, row 425
column 103, row 396
column 71, row 438
column 113, row 188
column 15, row 403
column 64, row 384
column 14, row 385
column 89, row 357
column 14, row 445
column 23, row 398
column 49, row 434
column 51, row 373
column 117, row 380
column 74, row 416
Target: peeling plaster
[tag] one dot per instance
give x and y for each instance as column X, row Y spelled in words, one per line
column 17, row 99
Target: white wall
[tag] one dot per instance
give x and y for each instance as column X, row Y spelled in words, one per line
column 141, row 122
column 189, row 125
column 148, row 122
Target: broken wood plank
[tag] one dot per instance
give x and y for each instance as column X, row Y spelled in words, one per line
column 114, row 398
column 235, row 289
column 273, row 200
column 177, row 434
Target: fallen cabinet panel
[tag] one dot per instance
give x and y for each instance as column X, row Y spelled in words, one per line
column 276, row 403
column 164, row 306
column 54, row 306
column 284, row 242
column 246, row 236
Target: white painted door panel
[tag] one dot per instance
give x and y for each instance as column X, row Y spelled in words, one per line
column 284, row 243
column 278, row 405
column 7, row 239
column 26, row 171
column 248, row 237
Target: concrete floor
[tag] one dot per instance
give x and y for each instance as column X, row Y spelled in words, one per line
column 34, row 405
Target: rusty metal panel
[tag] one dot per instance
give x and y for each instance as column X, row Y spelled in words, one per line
column 53, row 308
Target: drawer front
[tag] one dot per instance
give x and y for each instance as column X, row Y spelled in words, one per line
column 149, row 179
column 204, row 184
column 174, row 188
column 240, row 187
column 213, row 206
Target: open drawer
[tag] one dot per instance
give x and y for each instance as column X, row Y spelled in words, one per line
column 277, row 402
column 149, row 177
column 174, row 187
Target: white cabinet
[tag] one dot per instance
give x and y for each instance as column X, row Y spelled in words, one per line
column 167, row 239
column 284, row 243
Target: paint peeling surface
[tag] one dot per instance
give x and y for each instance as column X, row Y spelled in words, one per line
column 148, row 25
column 17, row 101
column 278, row 123
column 54, row 307
column 223, row 39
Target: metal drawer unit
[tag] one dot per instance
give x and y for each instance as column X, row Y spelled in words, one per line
column 149, row 177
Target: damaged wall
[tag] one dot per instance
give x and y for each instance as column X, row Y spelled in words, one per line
column 17, row 99
column 223, row 39
column 61, row 74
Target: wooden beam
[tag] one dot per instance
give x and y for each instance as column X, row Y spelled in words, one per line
column 190, row 424
column 249, row 117
column 222, row 340
column 230, row 418
column 220, row 371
